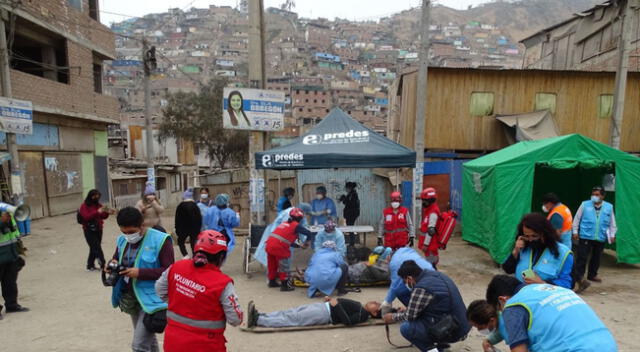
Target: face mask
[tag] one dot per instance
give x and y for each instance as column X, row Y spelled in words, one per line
column 536, row 244
column 545, row 209
column 409, row 287
column 204, row 196
column 596, row 199
column 133, row 238
column 319, row 196
column 485, row 332
column 395, row 205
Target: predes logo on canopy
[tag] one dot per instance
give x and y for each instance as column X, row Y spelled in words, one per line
column 352, row 136
column 283, row 160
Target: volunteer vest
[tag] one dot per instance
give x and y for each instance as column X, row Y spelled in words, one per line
column 10, row 238
column 281, row 239
column 146, row 258
column 567, row 218
column 446, row 300
column 194, row 297
column 9, row 244
column 548, row 267
column 426, row 213
column 502, row 329
column 396, row 223
column 594, row 226
column 560, row 321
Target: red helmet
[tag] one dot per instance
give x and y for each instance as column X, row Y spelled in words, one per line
column 210, row 241
column 296, row 214
column 396, row 196
column 429, row 193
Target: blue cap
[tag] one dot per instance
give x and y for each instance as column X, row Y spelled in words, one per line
column 222, row 199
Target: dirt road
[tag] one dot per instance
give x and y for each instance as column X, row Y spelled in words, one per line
column 71, row 310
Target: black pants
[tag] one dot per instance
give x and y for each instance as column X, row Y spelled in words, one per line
column 586, row 247
column 182, row 238
column 9, row 282
column 94, row 240
column 344, row 278
column 353, row 237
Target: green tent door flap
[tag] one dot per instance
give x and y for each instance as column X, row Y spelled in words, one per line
column 499, row 188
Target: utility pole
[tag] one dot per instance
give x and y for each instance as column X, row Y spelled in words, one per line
column 150, row 64
column 621, row 74
column 12, row 144
column 421, row 103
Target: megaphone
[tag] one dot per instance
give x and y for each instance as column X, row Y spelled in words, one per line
column 20, row 213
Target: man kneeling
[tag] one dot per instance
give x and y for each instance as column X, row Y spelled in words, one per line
column 436, row 314
column 331, row 311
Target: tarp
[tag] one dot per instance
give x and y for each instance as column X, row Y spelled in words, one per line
column 530, row 126
column 337, row 142
column 499, row 188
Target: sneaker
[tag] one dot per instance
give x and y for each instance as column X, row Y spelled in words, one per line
column 286, row 286
column 273, row 283
column 17, row 309
column 595, row 279
column 582, row 285
column 252, row 315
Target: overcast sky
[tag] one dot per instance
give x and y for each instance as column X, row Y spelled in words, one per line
column 350, row 9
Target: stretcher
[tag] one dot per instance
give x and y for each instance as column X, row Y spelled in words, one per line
column 262, row 330
column 301, row 283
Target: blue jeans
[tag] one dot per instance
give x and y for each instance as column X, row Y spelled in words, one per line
column 24, row 227
column 417, row 333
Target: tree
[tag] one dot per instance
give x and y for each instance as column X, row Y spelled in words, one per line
column 197, row 118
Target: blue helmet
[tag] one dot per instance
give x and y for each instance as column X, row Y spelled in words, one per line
column 305, row 207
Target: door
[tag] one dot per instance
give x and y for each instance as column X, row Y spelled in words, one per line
column 63, row 177
column 35, row 189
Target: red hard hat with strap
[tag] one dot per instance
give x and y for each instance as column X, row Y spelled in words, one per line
column 428, row 193
column 396, row 195
column 296, row 213
column 211, row 242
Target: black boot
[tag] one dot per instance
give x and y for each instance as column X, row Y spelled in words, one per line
column 286, row 286
column 273, row 283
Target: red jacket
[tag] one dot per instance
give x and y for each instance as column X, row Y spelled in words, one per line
column 396, row 227
column 281, row 239
column 90, row 213
column 194, row 302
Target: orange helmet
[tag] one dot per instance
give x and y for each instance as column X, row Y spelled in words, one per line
column 396, row 196
column 210, row 241
column 428, row 193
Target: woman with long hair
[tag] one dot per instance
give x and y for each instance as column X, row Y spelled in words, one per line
column 537, row 257
column 92, row 214
column 235, row 109
column 151, row 209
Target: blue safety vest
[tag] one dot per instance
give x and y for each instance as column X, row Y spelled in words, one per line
column 146, row 258
column 594, row 226
column 560, row 321
column 548, row 267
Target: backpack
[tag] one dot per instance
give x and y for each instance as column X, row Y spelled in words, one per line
column 445, row 226
column 79, row 218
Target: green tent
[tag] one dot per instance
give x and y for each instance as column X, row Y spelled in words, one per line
column 499, row 188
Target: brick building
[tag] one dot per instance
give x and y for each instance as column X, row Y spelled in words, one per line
column 56, row 63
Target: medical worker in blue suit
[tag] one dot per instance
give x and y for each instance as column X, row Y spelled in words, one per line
column 326, row 271
column 223, row 219
column 260, row 255
column 331, row 233
column 547, row 318
column 323, row 207
column 397, row 288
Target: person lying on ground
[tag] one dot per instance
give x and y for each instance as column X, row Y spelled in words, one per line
column 375, row 269
column 331, row 311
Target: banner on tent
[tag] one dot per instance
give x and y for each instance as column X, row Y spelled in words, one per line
column 253, row 109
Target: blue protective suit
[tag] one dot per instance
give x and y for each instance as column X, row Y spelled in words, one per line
column 260, row 255
column 326, row 206
column 223, row 219
column 397, row 289
column 324, row 271
column 336, row 236
column 204, row 212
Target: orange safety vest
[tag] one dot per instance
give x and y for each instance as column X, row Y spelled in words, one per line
column 564, row 211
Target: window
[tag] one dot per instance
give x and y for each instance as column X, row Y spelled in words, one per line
column 322, row 101
column 605, row 106
column 39, row 52
column 591, row 46
column 306, row 100
column 97, row 74
column 315, row 92
column 138, row 187
column 176, row 183
column 93, row 10
column 481, row 104
column 327, row 110
column 300, row 109
column 306, row 92
column 123, row 189
column 77, row 4
column 545, row 101
column 161, row 183
column 315, row 100
column 297, row 91
column 308, row 110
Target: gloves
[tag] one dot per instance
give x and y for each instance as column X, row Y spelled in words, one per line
column 379, row 241
column 327, row 211
column 410, row 242
column 432, row 231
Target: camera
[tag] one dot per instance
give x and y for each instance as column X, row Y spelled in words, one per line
column 111, row 277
